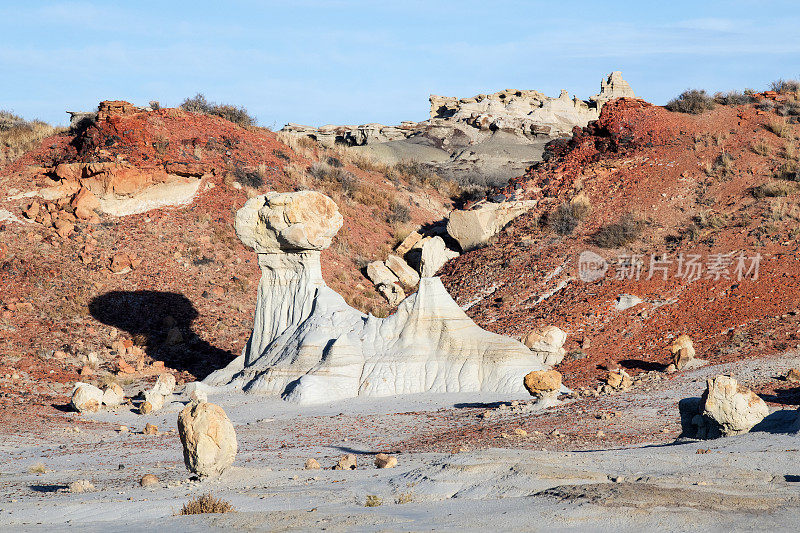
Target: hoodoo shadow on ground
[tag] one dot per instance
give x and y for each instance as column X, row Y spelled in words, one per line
column 149, row 316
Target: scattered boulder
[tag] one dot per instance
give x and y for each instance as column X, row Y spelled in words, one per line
column 619, row 380
column 383, row 460
column 150, row 429
column 379, row 274
column 148, row 480
column 346, row 462
column 85, row 202
column 408, row 276
column 312, row 464
column 208, row 438
column 682, row 351
column 793, row 376
column 626, row 301
column 735, row 409
column 79, row 486
column 86, row 398
column 145, row 408
column 475, row 227
column 161, row 392
column 548, row 342
column 404, row 247
column 393, row 293
column 113, row 395
column 435, row 254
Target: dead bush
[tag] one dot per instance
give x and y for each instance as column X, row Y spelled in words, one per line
column 626, row 231
column 249, row 177
column 237, row 115
column 692, row 101
column 398, row 213
column 732, row 98
column 772, row 189
column 206, row 503
column 779, row 127
column 325, row 173
column 568, row 215
column 785, row 86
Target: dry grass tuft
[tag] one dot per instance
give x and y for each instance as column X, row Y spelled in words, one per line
column 38, row 468
column 627, row 230
column 773, row 189
column 373, row 501
column 779, row 127
column 568, row 215
column 17, row 135
column 206, row 503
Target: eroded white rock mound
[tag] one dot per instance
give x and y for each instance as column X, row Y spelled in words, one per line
column 309, row 346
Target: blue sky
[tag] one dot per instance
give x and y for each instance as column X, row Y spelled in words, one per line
column 351, row 62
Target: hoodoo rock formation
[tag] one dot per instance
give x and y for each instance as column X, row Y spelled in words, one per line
column 309, row 346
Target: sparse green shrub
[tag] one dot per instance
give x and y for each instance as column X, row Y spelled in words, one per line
column 206, row 503
column 692, row 101
column 568, row 215
column 627, row 230
column 237, row 115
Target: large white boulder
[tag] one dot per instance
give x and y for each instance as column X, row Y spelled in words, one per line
column 734, row 408
column 408, row 276
column 86, row 397
column 475, row 227
column 309, row 346
column 208, row 438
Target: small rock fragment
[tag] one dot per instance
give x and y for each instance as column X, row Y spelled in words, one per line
column 312, row 464
column 150, row 429
column 79, row 486
column 793, row 376
column 383, row 460
column 346, row 462
column 145, row 408
column 148, row 480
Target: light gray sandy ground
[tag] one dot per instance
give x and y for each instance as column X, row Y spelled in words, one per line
column 748, row 482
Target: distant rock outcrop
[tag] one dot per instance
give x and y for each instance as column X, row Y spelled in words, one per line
column 494, row 135
column 309, row 346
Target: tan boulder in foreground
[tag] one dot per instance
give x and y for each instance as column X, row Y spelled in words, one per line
column 735, row 408
column 208, row 438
